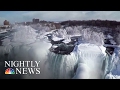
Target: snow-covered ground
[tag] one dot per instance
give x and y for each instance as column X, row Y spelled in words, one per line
column 3, row 31
column 88, row 59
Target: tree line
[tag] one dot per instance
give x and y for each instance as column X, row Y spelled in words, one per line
column 99, row 23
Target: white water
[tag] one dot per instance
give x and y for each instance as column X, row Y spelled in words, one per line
column 114, row 67
column 91, row 60
column 86, row 61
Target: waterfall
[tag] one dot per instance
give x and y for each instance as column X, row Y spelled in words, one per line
column 114, row 65
column 90, row 56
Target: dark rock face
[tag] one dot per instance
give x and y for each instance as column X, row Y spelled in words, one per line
column 57, row 42
column 61, row 47
column 110, row 50
column 106, row 41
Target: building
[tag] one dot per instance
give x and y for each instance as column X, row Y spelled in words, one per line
column 57, row 25
column 42, row 21
column 36, row 20
column 28, row 23
column 6, row 22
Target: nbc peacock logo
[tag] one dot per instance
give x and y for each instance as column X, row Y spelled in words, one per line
column 9, row 71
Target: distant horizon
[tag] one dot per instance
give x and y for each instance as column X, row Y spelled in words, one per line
column 61, row 21
column 58, row 16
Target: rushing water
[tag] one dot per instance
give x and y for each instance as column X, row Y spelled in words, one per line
column 88, row 60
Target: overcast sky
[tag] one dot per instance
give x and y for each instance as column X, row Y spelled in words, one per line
column 20, row 16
